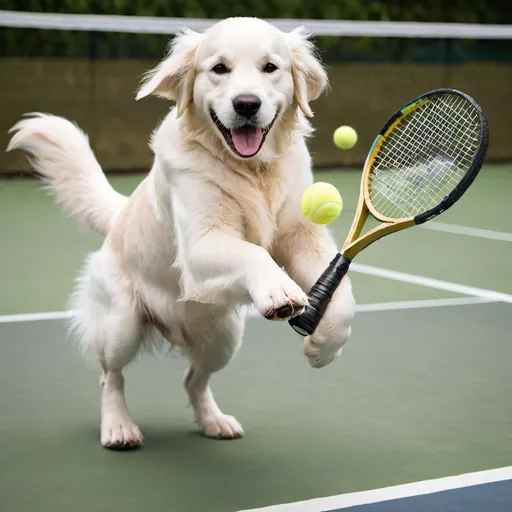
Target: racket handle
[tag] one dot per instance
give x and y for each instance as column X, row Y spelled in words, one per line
column 320, row 296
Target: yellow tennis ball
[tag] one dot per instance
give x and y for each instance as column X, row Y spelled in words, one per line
column 321, row 203
column 345, row 137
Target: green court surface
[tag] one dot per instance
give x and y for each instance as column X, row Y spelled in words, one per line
column 422, row 390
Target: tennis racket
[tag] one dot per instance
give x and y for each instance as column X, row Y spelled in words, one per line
column 423, row 160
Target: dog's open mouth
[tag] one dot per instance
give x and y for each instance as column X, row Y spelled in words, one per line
column 246, row 140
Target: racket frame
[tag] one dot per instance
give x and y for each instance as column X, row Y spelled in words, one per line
column 323, row 290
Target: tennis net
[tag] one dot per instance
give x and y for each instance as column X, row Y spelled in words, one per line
column 87, row 68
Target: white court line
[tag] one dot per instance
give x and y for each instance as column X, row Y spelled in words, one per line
column 464, row 230
column 33, row 317
column 417, row 304
column 391, row 493
column 360, row 308
column 431, row 283
column 482, row 294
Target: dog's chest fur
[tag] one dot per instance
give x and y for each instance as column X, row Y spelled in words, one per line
column 260, row 200
column 260, row 216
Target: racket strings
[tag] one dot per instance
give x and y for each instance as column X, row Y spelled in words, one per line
column 418, row 132
column 425, row 157
column 407, row 161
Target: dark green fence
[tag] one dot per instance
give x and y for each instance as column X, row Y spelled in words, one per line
column 91, row 78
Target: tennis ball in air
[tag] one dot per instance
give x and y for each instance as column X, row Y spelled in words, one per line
column 321, row 203
column 345, row 137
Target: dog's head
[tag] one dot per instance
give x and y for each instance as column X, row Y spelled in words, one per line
column 241, row 76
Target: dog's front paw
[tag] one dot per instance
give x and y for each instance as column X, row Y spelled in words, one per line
column 221, row 426
column 280, row 300
column 320, row 354
column 325, row 344
column 119, row 433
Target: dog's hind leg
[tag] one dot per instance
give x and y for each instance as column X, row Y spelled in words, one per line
column 209, row 350
column 109, row 324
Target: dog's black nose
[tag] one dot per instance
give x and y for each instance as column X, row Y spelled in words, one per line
column 246, row 105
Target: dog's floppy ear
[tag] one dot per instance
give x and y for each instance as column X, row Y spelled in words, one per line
column 173, row 78
column 309, row 76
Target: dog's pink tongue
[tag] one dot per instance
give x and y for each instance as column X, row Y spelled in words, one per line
column 247, row 140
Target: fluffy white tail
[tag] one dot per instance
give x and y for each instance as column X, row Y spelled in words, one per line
column 61, row 154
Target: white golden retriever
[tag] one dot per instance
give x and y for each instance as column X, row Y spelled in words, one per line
column 214, row 227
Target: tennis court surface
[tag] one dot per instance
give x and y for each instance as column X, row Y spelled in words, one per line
column 415, row 416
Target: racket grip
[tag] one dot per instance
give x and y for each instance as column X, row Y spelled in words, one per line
column 320, row 296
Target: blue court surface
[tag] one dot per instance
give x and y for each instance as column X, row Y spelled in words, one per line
column 489, row 491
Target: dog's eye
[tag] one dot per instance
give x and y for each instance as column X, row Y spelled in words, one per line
column 220, row 69
column 269, row 67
